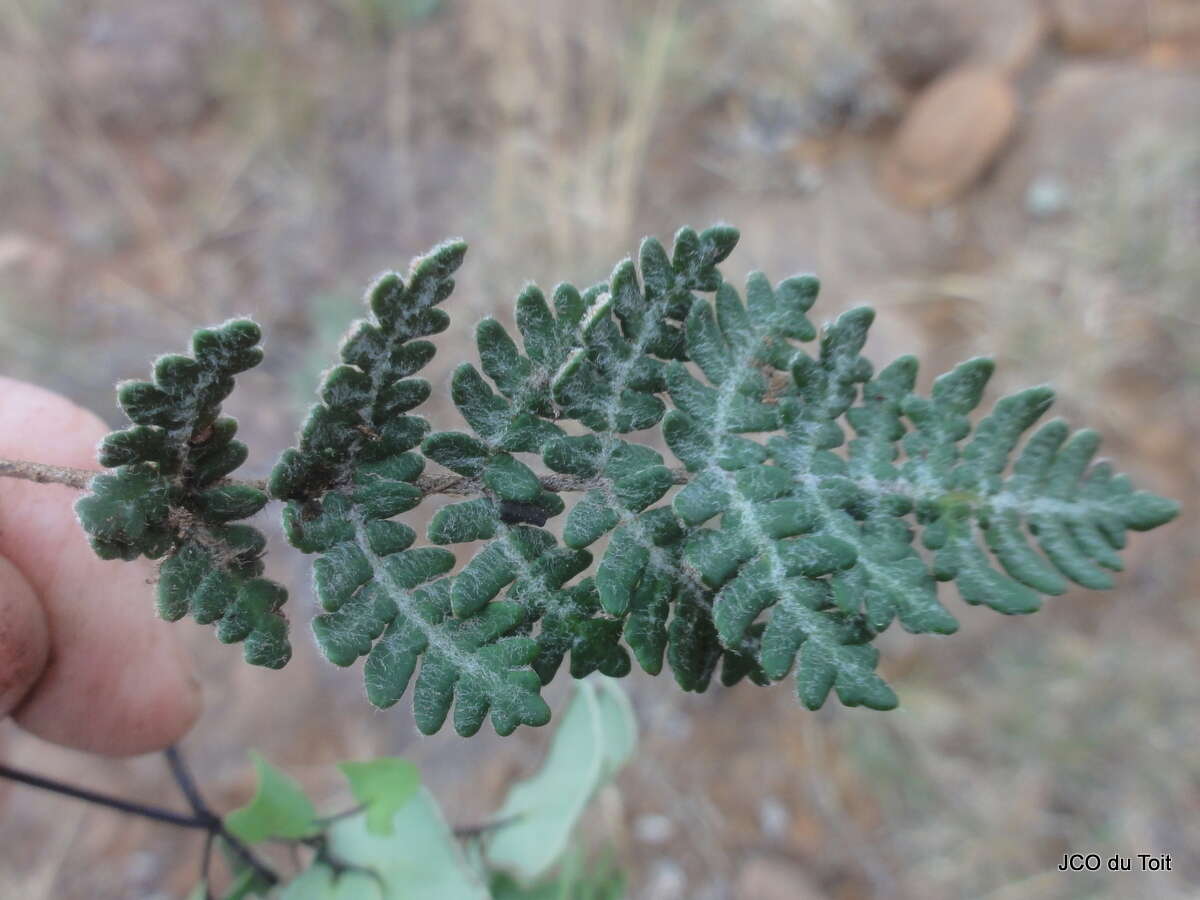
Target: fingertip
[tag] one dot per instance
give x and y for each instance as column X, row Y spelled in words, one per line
column 120, row 684
column 24, row 637
column 164, row 699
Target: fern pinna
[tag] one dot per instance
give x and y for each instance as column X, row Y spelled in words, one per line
column 778, row 545
column 169, row 495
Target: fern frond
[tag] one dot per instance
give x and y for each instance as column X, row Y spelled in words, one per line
column 167, row 497
column 787, row 541
column 474, row 663
column 821, row 543
column 595, row 359
column 1078, row 512
column 354, row 470
column 773, row 549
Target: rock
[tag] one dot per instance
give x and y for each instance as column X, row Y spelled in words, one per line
column 917, row 40
column 953, row 132
column 1100, row 26
column 763, row 878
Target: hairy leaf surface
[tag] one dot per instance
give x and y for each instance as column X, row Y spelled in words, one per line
column 812, row 503
column 167, row 498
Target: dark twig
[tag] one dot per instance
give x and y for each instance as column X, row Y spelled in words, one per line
column 187, row 784
column 201, row 819
column 206, row 864
column 216, row 827
column 146, row 811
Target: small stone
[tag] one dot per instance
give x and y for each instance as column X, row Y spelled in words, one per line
column 1100, row 26
column 773, row 818
column 1046, row 197
column 653, row 829
column 953, row 132
column 666, row 880
column 763, row 878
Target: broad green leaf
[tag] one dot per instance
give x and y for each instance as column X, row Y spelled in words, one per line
column 383, row 786
column 596, row 736
column 420, row 860
column 321, row 882
column 278, row 809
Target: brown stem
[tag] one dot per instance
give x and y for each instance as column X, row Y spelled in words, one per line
column 45, row 474
column 429, row 484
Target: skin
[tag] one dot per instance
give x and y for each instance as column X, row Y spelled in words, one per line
column 83, row 660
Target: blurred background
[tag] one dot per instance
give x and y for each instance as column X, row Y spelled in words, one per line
column 1009, row 177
